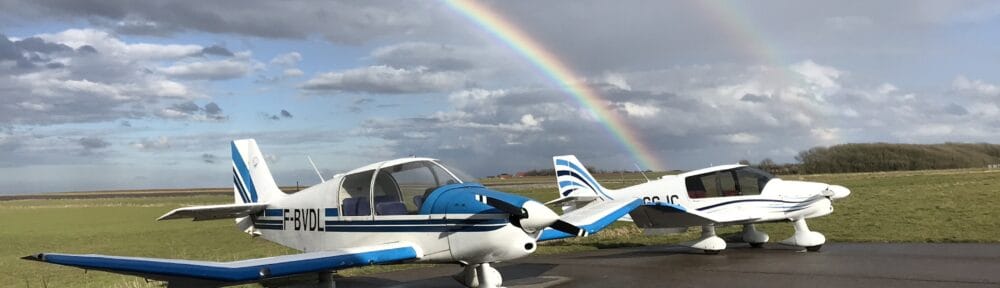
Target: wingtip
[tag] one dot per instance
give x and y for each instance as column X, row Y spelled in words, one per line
column 35, row 257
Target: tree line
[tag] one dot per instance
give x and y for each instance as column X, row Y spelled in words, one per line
column 874, row 157
column 865, row 157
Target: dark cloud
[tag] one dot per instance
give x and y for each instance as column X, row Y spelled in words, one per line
column 213, row 109
column 286, row 114
column 90, row 143
column 217, row 51
column 343, row 22
column 9, row 51
column 86, row 49
column 208, row 158
column 36, row 44
column 190, row 111
column 754, row 98
column 955, row 109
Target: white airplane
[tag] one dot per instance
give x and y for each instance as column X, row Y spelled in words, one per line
column 710, row 197
column 403, row 210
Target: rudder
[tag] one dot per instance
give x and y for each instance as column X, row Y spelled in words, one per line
column 252, row 180
column 574, row 179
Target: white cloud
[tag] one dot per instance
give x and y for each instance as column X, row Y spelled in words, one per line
column 209, row 70
column 639, row 111
column 385, row 80
column 977, row 86
column 161, row 143
column 287, row 59
column 826, row 135
column 741, row 138
column 292, row 72
column 822, row 78
column 887, row 88
column 105, row 43
column 617, row 80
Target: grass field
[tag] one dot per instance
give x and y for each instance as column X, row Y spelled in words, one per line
column 928, row 206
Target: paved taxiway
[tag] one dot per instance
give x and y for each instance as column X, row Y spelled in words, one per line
column 837, row 265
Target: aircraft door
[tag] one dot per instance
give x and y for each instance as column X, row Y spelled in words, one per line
column 355, row 196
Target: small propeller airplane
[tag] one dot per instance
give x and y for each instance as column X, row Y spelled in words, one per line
column 403, row 210
column 710, row 197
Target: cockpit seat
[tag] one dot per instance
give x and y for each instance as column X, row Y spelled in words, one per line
column 390, row 208
column 364, row 208
column 349, row 207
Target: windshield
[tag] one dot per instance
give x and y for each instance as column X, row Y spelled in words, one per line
column 462, row 176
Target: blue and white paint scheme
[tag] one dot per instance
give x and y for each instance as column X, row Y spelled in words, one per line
column 719, row 195
column 402, row 210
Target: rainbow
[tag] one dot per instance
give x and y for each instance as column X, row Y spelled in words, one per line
column 558, row 72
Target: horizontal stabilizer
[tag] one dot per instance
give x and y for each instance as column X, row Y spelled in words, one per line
column 590, row 219
column 244, row 271
column 213, row 212
column 667, row 215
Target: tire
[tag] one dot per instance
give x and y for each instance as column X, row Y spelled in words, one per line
column 814, row 248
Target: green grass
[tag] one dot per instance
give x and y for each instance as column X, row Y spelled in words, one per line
column 935, row 206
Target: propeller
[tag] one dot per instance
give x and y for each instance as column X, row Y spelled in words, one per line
column 531, row 215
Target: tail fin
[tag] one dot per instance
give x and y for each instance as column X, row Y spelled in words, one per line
column 575, row 181
column 252, row 180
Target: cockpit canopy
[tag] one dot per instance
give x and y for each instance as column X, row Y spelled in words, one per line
column 398, row 188
column 740, row 181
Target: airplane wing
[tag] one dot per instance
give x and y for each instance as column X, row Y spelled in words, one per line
column 213, row 212
column 667, row 215
column 190, row 273
column 589, row 219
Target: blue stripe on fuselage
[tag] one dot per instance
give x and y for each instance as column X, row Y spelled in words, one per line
column 755, row 200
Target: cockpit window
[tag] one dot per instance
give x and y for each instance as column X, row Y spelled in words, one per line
column 734, row 182
column 752, row 180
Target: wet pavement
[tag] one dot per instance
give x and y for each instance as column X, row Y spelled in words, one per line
column 836, row 265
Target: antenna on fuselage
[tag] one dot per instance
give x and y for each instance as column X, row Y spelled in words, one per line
column 315, row 169
column 640, row 171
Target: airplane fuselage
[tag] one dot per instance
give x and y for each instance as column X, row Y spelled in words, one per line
column 779, row 201
column 301, row 221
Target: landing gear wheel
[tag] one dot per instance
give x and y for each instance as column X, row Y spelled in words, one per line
column 814, row 248
column 712, row 252
column 756, row 245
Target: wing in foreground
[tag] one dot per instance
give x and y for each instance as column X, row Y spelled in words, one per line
column 212, row 212
column 206, row 273
column 590, row 219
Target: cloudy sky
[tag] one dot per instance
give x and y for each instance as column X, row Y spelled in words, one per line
column 146, row 94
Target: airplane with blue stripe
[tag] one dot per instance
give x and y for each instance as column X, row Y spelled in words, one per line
column 402, row 210
column 710, row 197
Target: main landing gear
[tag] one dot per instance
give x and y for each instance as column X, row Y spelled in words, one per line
column 803, row 237
column 709, row 242
column 811, row 240
column 755, row 238
column 479, row 276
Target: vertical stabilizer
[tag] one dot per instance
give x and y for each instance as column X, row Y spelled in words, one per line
column 252, row 180
column 575, row 181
